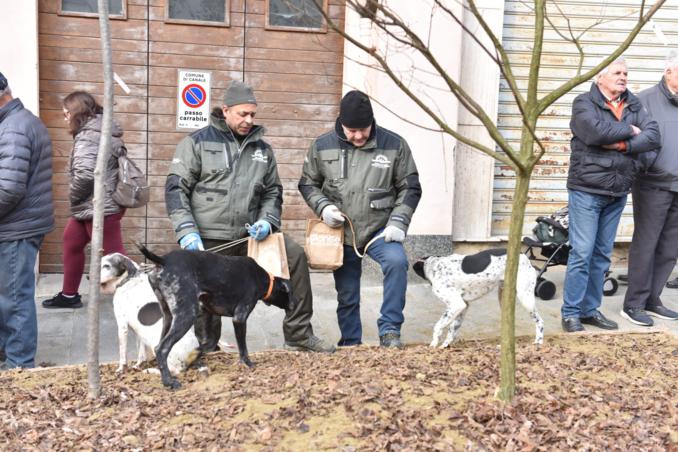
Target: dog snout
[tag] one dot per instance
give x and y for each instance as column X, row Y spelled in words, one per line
column 418, row 267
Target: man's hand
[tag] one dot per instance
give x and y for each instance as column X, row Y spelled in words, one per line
column 259, row 230
column 636, row 130
column 332, row 217
column 191, row 241
column 394, row 234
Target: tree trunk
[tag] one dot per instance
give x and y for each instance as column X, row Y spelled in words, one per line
column 93, row 374
column 507, row 374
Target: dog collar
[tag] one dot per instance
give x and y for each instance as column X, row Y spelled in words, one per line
column 270, row 287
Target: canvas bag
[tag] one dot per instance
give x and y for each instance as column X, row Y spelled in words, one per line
column 132, row 189
column 324, row 245
column 270, row 254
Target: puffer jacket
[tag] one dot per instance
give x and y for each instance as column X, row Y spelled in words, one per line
column 26, row 207
column 376, row 185
column 595, row 169
column 663, row 106
column 216, row 185
column 82, row 163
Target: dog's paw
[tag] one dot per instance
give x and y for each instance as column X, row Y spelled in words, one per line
column 434, row 343
column 172, row 384
column 121, row 368
column 246, row 361
column 152, row 370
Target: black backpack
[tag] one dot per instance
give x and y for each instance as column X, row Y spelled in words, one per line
column 132, row 189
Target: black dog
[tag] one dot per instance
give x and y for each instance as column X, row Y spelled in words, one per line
column 186, row 282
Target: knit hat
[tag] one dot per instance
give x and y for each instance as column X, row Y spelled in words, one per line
column 355, row 110
column 238, row 93
column 3, row 82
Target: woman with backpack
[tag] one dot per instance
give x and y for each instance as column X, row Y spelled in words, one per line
column 84, row 115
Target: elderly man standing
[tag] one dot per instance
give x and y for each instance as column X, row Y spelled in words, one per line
column 653, row 251
column 368, row 173
column 222, row 185
column 26, row 215
column 613, row 138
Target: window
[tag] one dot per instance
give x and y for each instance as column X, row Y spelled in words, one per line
column 295, row 15
column 200, row 12
column 117, row 9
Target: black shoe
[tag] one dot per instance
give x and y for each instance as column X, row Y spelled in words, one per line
column 390, row 340
column 59, row 301
column 637, row 316
column 661, row 312
column 673, row 284
column 599, row 320
column 571, row 324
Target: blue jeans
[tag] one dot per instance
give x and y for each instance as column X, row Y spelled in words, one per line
column 593, row 227
column 18, row 321
column 393, row 261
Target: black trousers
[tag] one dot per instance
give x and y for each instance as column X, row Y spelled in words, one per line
column 654, row 247
column 297, row 323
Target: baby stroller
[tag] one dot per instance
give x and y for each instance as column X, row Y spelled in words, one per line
column 552, row 241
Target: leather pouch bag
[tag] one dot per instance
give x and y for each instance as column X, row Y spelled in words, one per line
column 324, row 245
column 270, row 254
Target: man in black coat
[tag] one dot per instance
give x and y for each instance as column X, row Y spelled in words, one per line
column 653, row 251
column 613, row 139
column 26, row 215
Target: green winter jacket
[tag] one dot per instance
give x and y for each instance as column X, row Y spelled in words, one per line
column 216, row 185
column 376, row 185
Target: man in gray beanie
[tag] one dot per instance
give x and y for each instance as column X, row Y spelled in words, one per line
column 367, row 173
column 26, row 215
column 222, row 186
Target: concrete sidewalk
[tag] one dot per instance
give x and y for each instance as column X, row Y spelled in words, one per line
column 63, row 332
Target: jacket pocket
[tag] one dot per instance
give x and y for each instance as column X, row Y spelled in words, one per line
column 214, row 158
column 381, row 198
column 330, row 163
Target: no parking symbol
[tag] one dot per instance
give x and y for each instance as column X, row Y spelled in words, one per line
column 193, row 99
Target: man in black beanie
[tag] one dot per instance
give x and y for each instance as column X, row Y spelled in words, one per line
column 223, row 185
column 367, row 173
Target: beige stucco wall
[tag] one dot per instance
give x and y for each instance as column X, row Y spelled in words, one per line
column 19, row 49
column 433, row 151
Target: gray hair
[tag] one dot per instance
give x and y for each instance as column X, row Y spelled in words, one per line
column 7, row 90
column 672, row 59
column 619, row 60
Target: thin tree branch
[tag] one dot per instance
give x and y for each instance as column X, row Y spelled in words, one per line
column 557, row 93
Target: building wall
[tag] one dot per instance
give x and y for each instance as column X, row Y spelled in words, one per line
column 19, row 63
column 433, row 151
column 296, row 77
column 646, row 62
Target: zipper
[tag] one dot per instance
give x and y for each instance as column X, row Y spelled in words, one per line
column 343, row 171
column 227, row 158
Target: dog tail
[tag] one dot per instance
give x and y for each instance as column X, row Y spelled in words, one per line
column 150, row 256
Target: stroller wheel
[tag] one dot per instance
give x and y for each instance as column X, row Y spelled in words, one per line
column 610, row 286
column 545, row 289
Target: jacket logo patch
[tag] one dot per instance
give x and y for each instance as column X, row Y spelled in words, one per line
column 259, row 156
column 381, row 161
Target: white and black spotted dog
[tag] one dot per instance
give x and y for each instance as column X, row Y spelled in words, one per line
column 136, row 307
column 457, row 279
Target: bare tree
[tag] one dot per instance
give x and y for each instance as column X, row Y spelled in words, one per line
column 395, row 29
column 93, row 373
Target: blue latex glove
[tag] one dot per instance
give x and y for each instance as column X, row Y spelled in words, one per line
column 393, row 234
column 259, row 230
column 191, row 241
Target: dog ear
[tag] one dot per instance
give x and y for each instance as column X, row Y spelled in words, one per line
column 129, row 266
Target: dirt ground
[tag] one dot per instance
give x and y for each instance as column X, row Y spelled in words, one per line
column 584, row 392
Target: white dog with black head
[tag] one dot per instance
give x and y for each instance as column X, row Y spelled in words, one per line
column 136, row 307
column 457, row 279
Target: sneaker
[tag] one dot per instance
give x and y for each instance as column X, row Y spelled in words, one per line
column 390, row 340
column 637, row 316
column 59, row 301
column 661, row 312
column 310, row 344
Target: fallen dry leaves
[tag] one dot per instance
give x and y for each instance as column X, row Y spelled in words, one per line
column 616, row 392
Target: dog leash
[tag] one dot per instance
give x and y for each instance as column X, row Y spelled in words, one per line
column 224, row 246
column 355, row 247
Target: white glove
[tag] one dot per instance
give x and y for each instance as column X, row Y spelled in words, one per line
column 332, row 217
column 394, row 234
